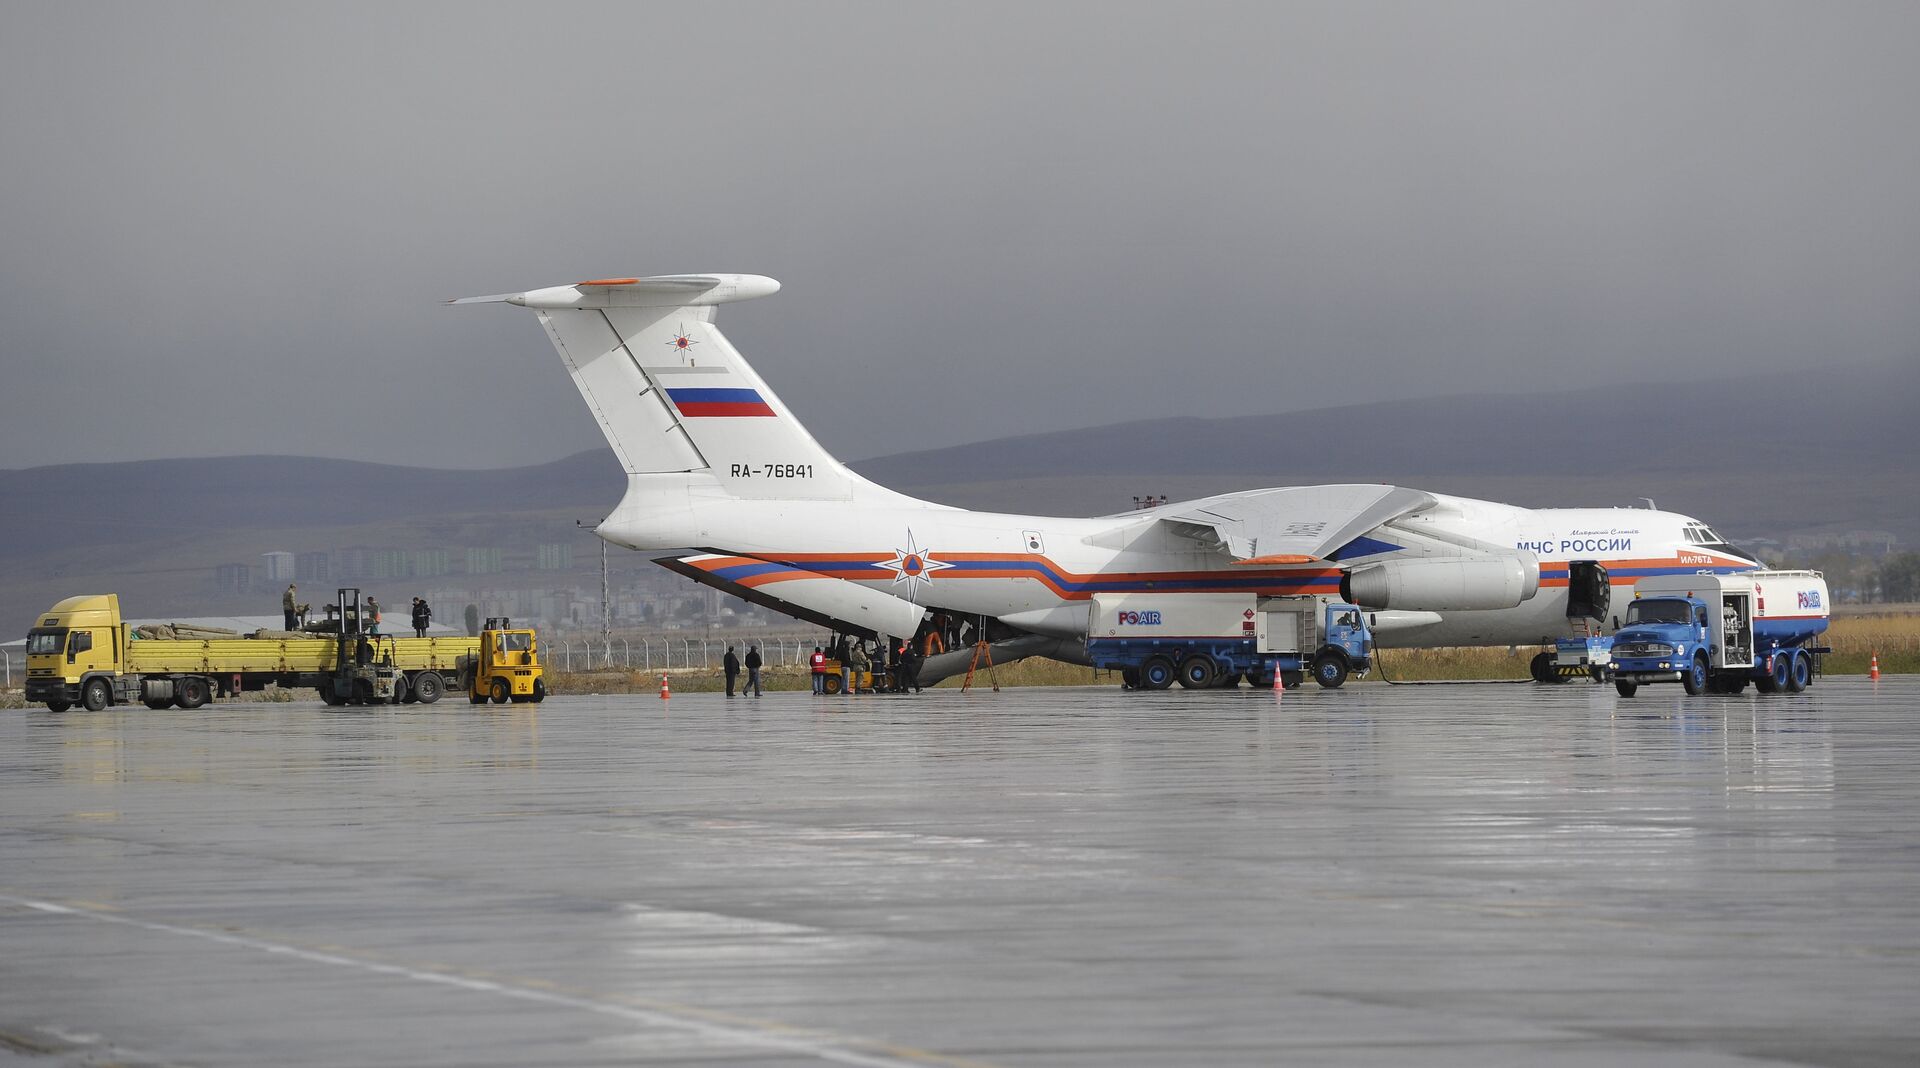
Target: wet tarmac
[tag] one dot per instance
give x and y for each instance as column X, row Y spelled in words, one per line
column 1438, row 875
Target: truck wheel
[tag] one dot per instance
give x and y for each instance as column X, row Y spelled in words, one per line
column 1129, row 678
column 190, row 692
column 539, row 690
column 1228, row 681
column 1694, row 679
column 427, row 687
column 1799, row 673
column 97, row 694
column 1330, row 670
column 1545, row 670
column 58, row 704
column 1156, row 673
column 1197, row 672
column 1625, row 686
column 1291, row 680
column 1782, row 675
column 157, row 704
column 502, row 693
column 1735, row 686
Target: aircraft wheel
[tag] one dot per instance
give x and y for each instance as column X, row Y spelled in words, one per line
column 1330, row 670
column 1694, row 679
column 502, row 692
column 96, row 695
column 1625, row 686
column 1544, row 670
column 1129, row 678
column 428, row 686
column 1197, row 672
column 1157, row 673
column 1799, row 673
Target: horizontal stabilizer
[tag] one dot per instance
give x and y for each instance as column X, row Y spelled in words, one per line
column 658, row 291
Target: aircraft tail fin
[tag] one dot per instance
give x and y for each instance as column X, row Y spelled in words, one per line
column 672, row 394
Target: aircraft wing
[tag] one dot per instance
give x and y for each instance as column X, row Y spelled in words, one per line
column 1292, row 524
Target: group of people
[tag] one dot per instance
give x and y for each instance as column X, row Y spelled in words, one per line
column 730, row 664
column 892, row 670
column 294, row 613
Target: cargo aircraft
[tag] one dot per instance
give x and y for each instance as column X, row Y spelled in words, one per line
column 717, row 463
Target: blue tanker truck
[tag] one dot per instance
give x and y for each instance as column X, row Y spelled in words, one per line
column 1207, row 640
column 1720, row 633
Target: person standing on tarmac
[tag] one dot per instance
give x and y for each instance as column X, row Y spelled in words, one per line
column 422, row 616
column 373, row 616
column 819, row 664
column 753, row 671
column 857, row 665
column 290, row 608
column 730, row 665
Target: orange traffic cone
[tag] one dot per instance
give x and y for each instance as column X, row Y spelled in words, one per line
column 1279, row 687
column 1873, row 670
column 665, row 690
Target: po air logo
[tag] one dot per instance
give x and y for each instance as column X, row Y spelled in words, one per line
column 1809, row 598
column 1140, row 619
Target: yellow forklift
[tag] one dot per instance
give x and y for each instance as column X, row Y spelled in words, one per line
column 507, row 667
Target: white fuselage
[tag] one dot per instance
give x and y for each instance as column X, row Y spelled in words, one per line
column 1039, row 573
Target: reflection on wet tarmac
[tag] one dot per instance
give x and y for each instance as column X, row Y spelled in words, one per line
column 1453, row 875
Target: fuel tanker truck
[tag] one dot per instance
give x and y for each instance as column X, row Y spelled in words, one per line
column 82, row 652
column 1720, row 633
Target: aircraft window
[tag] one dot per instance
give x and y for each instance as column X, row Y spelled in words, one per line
column 1657, row 612
column 45, row 642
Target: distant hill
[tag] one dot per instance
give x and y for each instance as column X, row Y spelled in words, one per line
column 1763, row 457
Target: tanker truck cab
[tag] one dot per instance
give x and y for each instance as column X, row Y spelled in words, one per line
column 74, row 654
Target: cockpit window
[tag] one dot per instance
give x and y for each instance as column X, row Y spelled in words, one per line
column 1657, row 612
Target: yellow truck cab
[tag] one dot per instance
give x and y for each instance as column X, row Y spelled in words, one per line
column 507, row 667
column 74, row 652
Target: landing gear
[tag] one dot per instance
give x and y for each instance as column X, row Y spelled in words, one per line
column 1545, row 670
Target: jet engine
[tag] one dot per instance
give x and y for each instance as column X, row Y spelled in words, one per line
column 1446, row 585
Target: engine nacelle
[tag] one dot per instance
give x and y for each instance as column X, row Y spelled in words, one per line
column 1448, row 585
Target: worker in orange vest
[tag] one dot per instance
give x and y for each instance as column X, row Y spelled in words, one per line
column 819, row 662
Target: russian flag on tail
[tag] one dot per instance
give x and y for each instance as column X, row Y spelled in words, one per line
column 719, row 402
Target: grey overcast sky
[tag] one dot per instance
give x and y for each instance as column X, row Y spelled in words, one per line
column 228, row 229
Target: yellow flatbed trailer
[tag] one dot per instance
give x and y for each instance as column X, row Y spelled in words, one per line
column 82, row 652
